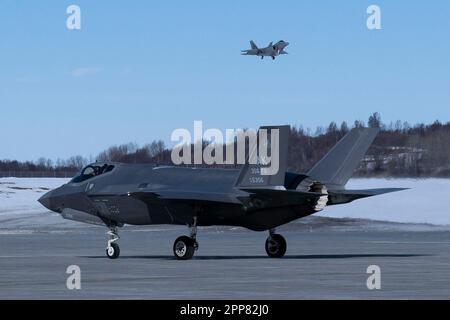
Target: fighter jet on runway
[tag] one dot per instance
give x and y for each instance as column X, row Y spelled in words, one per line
column 115, row 194
column 272, row 50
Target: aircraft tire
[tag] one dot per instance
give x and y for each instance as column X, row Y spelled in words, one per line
column 113, row 252
column 184, row 248
column 276, row 246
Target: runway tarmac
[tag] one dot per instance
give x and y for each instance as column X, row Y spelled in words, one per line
column 321, row 263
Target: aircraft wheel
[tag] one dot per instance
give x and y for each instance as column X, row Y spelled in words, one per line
column 113, row 251
column 276, row 246
column 184, row 248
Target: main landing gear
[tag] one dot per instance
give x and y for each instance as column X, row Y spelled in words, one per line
column 275, row 245
column 113, row 249
column 184, row 247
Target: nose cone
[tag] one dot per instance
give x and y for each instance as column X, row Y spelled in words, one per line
column 46, row 201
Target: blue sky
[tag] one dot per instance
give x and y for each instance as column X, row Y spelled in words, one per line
column 138, row 70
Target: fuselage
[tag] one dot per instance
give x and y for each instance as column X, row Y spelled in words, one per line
column 131, row 194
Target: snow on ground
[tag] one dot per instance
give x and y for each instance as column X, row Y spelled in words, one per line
column 425, row 202
column 20, row 195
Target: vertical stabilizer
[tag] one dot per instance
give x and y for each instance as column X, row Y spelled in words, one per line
column 338, row 165
column 256, row 175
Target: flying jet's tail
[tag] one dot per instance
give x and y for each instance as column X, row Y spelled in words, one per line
column 338, row 165
column 265, row 174
column 253, row 45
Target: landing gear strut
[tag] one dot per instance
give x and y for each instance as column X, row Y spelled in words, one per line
column 184, row 247
column 113, row 249
column 275, row 245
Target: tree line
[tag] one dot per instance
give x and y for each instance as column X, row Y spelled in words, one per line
column 400, row 150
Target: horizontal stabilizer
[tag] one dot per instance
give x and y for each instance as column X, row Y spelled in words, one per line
column 346, row 196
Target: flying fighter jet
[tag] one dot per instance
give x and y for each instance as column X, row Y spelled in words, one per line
column 272, row 50
column 115, row 194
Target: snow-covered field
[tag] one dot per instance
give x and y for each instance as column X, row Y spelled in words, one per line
column 20, row 195
column 425, row 202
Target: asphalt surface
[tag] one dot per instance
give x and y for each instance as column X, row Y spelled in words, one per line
column 230, row 264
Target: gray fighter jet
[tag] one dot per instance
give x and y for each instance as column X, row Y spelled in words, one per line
column 115, row 194
column 272, row 50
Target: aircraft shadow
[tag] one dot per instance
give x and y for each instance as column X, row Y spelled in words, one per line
column 287, row 257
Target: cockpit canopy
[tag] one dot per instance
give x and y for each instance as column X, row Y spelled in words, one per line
column 91, row 171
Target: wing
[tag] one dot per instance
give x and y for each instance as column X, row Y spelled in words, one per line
column 198, row 196
column 178, row 207
column 272, row 198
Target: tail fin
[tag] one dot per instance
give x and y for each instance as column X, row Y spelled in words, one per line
column 258, row 175
column 253, row 45
column 338, row 165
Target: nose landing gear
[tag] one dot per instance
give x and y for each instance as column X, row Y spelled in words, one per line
column 113, row 249
column 275, row 245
